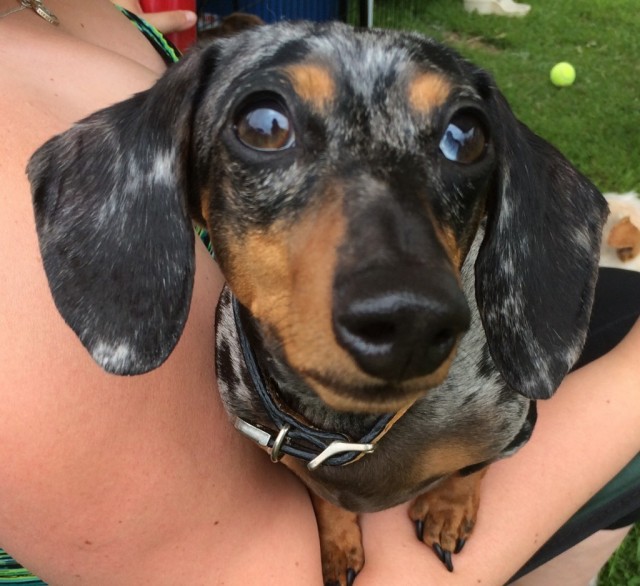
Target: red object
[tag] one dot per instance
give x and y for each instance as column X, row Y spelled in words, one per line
column 183, row 40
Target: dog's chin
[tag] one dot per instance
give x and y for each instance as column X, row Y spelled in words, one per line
column 369, row 397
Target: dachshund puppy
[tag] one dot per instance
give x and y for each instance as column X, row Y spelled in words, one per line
column 409, row 267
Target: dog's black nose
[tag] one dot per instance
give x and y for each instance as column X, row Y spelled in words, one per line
column 397, row 327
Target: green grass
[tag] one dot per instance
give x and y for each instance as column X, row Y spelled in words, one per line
column 595, row 122
column 623, row 569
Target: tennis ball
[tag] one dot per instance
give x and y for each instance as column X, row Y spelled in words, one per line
column 562, row 74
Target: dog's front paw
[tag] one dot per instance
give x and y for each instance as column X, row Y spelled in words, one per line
column 340, row 543
column 445, row 516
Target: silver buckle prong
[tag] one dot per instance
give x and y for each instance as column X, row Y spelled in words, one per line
column 338, row 448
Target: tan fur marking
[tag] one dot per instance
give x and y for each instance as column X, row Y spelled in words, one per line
column 405, row 394
column 313, row 83
column 205, row 200
column 258, row 271
column 428, row 91
column 440, row 460
column 451, row 246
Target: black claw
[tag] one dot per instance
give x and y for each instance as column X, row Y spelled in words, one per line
column 438, row 551
column 420, row 530
column 447, row 561
column 459, row 545
column 443, row 556
column 351, row 576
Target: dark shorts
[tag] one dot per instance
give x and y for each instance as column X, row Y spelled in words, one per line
column 616, row 309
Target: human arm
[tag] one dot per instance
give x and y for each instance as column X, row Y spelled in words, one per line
column 585, row 434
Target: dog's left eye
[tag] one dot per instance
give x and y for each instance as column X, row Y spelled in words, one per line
column 265, row 126
column 465, row 139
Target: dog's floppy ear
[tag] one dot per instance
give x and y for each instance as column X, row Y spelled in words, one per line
column 537, row 266
column 112, row 220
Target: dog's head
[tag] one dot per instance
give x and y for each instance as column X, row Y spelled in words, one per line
column 342, row 176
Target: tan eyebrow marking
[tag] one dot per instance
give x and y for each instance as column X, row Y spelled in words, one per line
column 313, row 83
column 428, row 91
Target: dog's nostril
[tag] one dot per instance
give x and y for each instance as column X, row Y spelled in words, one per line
column 377, row 333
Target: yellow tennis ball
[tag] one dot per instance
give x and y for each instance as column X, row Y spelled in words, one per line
column 562, row 74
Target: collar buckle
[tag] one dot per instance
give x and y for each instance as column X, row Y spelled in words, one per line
column 265, row 439
column 338, row 447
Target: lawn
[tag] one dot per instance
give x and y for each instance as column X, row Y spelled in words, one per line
column 595, row 122
column 623, row 568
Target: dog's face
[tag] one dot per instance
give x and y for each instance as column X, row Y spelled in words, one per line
column 342, row 177
column 342, row 201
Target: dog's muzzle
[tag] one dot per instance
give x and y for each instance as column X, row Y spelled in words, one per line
column 293, row 437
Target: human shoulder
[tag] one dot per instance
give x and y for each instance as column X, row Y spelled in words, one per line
column 52, row 77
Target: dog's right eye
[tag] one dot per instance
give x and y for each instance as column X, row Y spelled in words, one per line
column 465, row 139
column 264, row 126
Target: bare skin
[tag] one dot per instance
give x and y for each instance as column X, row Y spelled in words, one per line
column 111, row 480
column 167, row 21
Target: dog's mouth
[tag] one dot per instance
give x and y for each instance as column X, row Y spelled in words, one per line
column 369, row 397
